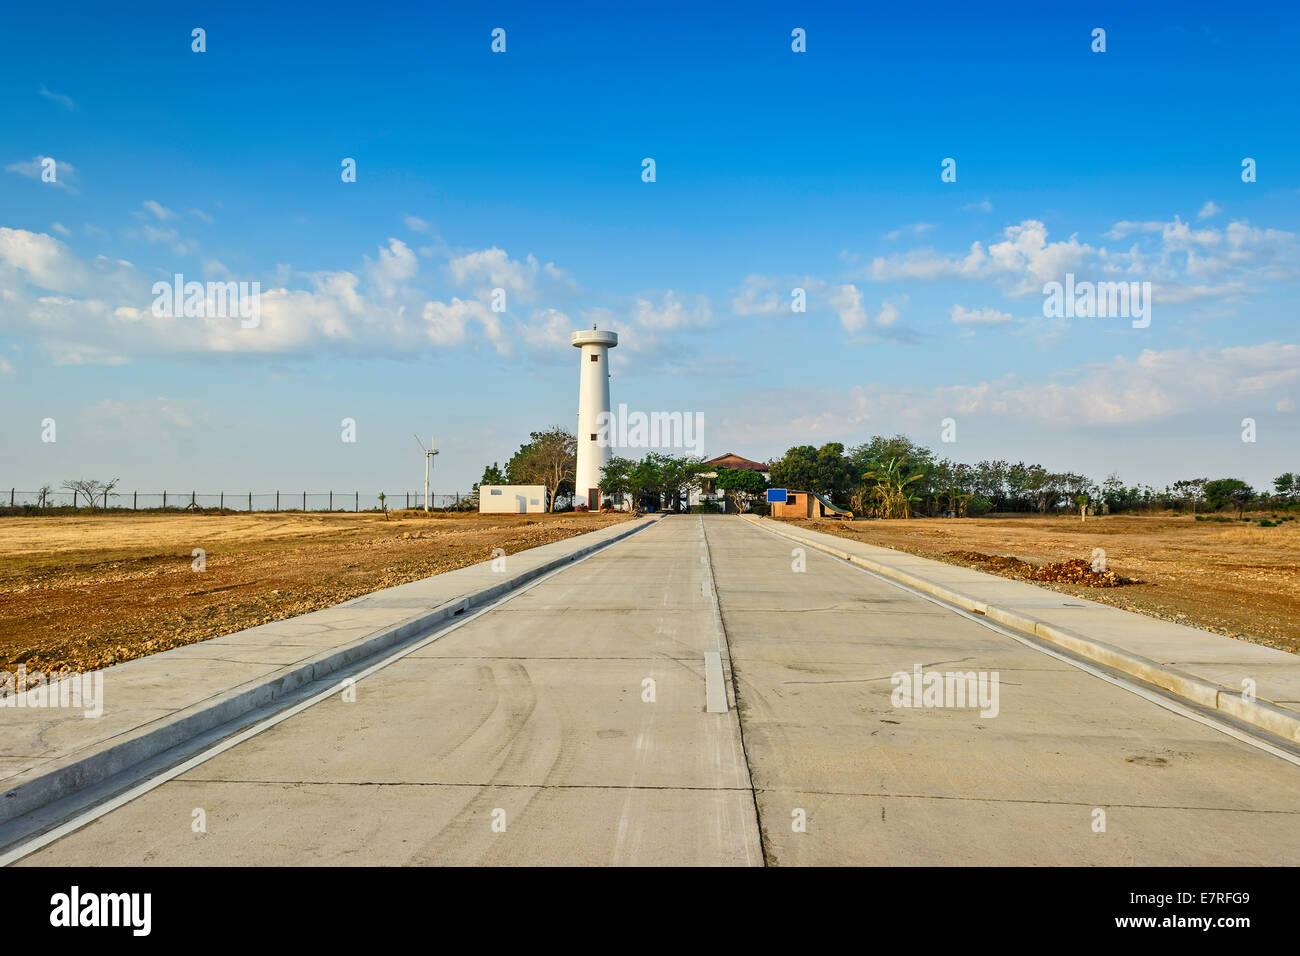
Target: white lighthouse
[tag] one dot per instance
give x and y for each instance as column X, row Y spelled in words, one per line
column 593, row 400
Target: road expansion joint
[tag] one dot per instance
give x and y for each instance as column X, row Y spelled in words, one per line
column 478, row 785
column 1019, row 801
column 724, row 646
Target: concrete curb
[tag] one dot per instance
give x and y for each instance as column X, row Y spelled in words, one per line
column 136, row 746
column 1260, row 713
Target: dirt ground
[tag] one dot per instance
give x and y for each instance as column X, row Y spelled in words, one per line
column 81, row 592
column 1233, row 578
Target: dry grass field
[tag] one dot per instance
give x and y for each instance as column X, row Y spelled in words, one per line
column 84, row 591
column 1235, row 578
column 79, row 592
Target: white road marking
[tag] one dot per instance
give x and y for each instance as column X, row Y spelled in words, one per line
column 715, row 689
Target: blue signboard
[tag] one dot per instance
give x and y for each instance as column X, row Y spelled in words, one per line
column 776, row 496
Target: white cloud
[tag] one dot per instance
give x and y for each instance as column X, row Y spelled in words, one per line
column 164, row 235
column 1185, row 263
column 416, row 224
column 915, row 229
column 1026, row 252
column 486, row 269
column 854, row 316
column 158, row 210
column 758, row 295
column 217, row 269
column 1023, row 254
column 396, row 265
column 548, row 330
column 62, row 99
column 671, row 313
column 769, row 296
column 1154, row 386
column 148, row 420
column 447, row 323
column 60, row 228
column 982, row 206
column 963, row 316
column 40, row 259
column 99, row 311
column 64, row 172
column 847, row 303
column 1209, row 210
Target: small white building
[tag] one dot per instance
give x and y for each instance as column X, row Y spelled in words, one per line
column 512, row 499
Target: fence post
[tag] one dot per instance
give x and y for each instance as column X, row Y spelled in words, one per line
column 11, row 497
column 222, row 505
column 357, row 506
column 134, row 499
column 164, row 499
column 277, row 501
column 74, row 498
column 304, row 502
column 192, row 502
column 250, row 502
column 331, row 502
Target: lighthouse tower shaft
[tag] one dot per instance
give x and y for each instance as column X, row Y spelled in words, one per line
column 593, row 410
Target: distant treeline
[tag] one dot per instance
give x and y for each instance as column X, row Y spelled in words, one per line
column 895, row 477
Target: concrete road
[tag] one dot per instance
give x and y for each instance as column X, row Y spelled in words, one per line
column 569, row 726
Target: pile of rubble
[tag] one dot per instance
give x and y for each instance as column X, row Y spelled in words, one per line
column 1076, row 571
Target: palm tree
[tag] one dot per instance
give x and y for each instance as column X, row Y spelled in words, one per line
column 892, row 487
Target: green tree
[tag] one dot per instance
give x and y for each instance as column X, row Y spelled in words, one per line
column 1223, row 492
column 893, row 487
column 677, row 475
column 741, row 485
column 823, row 471
column 1287, row 486
column 1191, row 490
column 616, row 477
column 656, row 476
column 797, row 469
column 548, row 458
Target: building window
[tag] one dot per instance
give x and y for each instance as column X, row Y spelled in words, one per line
column 595, row 357
column 593, row 436
column 494, row 491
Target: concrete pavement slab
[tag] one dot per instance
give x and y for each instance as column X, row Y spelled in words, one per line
column 1154, row 648
column 155, row 703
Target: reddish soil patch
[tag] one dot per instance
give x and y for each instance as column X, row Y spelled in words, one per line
column 82, row 592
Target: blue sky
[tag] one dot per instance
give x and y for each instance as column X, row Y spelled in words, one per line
column 522, row 171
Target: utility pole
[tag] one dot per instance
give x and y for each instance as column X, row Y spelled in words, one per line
column 428, row 458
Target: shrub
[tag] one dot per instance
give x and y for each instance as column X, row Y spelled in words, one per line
column 978, row 506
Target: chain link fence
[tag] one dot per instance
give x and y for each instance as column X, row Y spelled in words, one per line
column 233, row 501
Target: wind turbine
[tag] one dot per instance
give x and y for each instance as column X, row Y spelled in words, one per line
column 428, row 458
